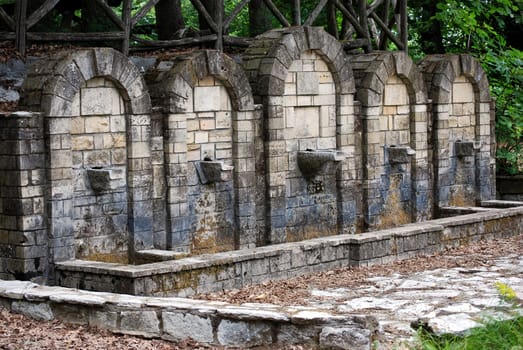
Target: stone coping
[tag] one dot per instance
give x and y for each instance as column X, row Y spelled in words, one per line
column 436, row 226
column 177, row 319
column 209, row 260
column 236, row 269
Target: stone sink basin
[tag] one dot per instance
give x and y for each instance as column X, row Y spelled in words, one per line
column 211, row 171
column 317, row 162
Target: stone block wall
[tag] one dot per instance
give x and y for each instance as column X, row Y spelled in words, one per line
column 462, row 140
column 99, row 151
column 84, row 97
column 208, row 121
column 335, row 144
column 396, row 168
column 304, row 82
column 23, row 234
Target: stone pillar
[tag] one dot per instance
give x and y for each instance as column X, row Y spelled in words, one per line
column 23, row 234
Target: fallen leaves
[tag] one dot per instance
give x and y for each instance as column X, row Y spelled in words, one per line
column 296, row 290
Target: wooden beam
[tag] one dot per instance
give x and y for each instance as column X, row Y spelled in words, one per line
column 353, row 20
column 235, row 41
column 7, row 36
column 7, row 19
column 332, row 23
column 203, row 11
column 127, row 24
column 387, row 31
column 21, row 29
column 219, row 26
column 404, row 36
column 281, row 18
column 314, row 14
column 362, row 7
column 40, row 12
column 296, row 13
column 174, row 43
column 112, row 16
column 382, row 44
column 228, row 20
column 95, row 36
column 143, row 11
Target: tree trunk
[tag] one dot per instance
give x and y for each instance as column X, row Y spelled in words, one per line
column 431, row 38
column 169, row 18
column 260, row 18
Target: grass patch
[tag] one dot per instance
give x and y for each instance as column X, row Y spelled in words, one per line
column 495, row 335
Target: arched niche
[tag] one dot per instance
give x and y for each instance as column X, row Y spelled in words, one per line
column 462, row 124
column 206, row 120
column 97, row 171
column 304, row 82
column 394, row 143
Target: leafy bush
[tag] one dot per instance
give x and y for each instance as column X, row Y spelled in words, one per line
column 480, row 28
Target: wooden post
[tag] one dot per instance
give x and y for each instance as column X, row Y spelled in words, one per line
column 332, row 23
column 296, row 13
column 362, row 9
column 126, row 19
column 219, row 25
column 21, row 29
column 403, row 24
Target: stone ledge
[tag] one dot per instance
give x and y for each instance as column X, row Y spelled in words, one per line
column 150, row 317
column 215, row 272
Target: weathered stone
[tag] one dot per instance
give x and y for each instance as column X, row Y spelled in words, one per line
column 345, row 339
column 231, row 333
column 38, row 311
column 180, row 326
column 143, row 323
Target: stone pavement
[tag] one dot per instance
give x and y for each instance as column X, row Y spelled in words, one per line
column 448, row 300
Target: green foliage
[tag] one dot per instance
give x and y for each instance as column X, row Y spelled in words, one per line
column 505, row 72
column 494, row 334
column 480, row 28
column 499, row 335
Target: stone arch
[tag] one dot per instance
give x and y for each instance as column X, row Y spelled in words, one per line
column 395, row 182
column 268, row 63
column 445, row 76
column 192, row 90
column 51, row 87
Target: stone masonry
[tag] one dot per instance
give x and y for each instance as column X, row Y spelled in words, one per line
column 463, row 146
column 204, row 153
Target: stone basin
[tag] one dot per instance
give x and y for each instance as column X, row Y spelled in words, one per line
column 316, row 162
column 211, row 171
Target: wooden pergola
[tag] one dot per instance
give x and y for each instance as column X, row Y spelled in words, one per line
column 372, row 26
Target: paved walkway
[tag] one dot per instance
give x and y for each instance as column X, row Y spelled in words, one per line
column 449, row 300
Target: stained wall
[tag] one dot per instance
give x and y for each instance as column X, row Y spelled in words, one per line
column 294, row 139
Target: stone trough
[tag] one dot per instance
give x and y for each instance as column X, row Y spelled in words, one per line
column 221, row 271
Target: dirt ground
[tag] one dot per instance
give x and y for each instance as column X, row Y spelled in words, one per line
column 19, row 332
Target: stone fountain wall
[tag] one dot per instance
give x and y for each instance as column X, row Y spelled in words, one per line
column 203, row 153
column 462, row 135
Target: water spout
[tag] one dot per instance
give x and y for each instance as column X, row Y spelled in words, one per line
column 316, row 162
column 211, row 171
column 106, row 179
column 400, row 154
column 466, row 148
